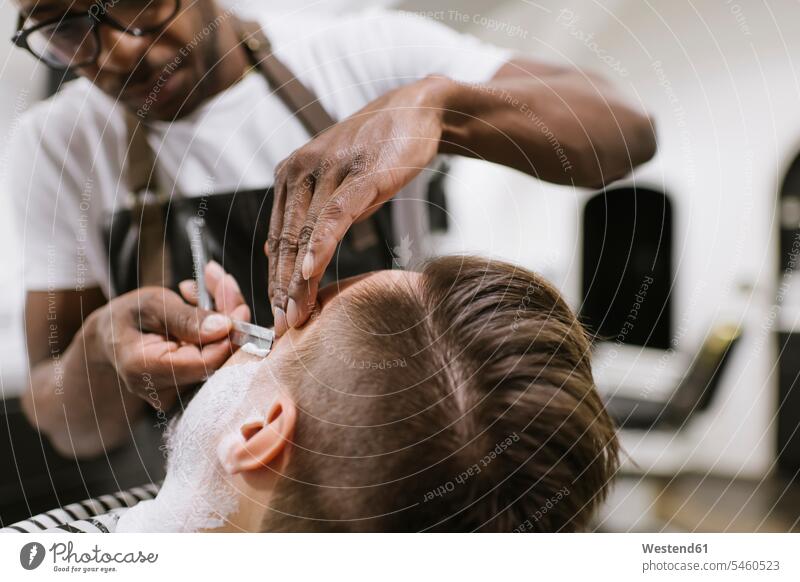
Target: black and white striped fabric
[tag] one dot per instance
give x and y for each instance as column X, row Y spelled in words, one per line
column 95, row 515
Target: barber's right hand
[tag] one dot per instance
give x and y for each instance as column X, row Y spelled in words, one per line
column 224, row 289
column 157, row 343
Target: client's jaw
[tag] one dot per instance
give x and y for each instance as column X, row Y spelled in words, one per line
column 223, row 452
column 254, row 452
column 233, row 441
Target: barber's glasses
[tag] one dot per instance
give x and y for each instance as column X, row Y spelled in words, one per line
column 72, row 40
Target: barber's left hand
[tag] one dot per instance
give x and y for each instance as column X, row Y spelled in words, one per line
column 341, row 176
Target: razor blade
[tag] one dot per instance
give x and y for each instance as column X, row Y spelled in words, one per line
column 247, row 333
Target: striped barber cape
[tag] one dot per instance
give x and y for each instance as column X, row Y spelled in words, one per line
column 95, row 515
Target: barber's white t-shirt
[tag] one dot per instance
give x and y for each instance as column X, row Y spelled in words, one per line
column 66, row 172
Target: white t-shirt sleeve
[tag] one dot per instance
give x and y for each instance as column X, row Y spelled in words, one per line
column 379, row 50
column 47, row 198
column 405, row 46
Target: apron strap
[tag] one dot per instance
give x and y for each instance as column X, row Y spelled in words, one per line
column 146, row 237
column 303, row 104
column 141, row 162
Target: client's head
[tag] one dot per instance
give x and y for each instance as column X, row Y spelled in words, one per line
column 456, row 399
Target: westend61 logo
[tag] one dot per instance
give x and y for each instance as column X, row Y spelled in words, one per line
column 66, row 559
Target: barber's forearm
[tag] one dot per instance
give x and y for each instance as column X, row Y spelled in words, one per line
column 562, row 128
column 77, row 403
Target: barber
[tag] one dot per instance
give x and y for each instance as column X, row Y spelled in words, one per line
column 288, row 136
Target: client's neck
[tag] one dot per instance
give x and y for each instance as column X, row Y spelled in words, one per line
column 255, row 495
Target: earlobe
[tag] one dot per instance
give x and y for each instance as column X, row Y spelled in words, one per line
column 262, row 442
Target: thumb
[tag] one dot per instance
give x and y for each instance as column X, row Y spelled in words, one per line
column 189, row 324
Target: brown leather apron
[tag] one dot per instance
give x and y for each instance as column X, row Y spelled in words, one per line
column 147, row 242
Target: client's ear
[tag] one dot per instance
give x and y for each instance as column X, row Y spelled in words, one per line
column 263, row 441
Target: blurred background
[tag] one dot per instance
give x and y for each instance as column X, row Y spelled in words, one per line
column 686, row 270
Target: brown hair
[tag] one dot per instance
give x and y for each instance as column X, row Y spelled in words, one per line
column 463, row 403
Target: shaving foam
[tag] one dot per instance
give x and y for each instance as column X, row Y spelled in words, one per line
column 196, row 493
column 254, row 350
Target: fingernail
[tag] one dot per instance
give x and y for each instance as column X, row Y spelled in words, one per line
column 292, row 315
column 280, row 321
column 187, row 287
column 246, row 315
column 234, row 283
column 214, row 269
column 215, row 323
column 308, row 266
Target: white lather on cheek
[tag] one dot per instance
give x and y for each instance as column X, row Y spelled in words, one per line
column 225, row 451
column 197, row 493
column 254, row 350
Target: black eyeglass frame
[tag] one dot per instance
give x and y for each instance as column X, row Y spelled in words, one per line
column 97, row 18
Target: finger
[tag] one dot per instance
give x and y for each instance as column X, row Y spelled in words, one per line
column 169, row 364
column 216, row 354
column 303, row 292
column 227, row 295
column 188, row 289
column 214, row 274
column 138, row 353
column 350, row 200
column 149, row 339
column 272, row 247
column 241, row 313
column 302, row 298
column 295, row 234
column 224, row 288
column 163, row 312
column 190, row 364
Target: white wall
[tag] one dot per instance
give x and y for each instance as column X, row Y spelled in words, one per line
column 21, row 84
